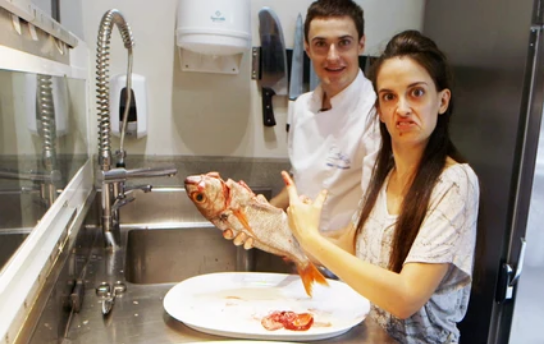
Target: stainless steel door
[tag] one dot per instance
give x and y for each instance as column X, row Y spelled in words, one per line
column 529, row 307
column 492, row 52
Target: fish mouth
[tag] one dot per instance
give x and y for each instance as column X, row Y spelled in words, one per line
column 192, row 180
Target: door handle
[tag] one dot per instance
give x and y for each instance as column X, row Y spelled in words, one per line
column 508, row 278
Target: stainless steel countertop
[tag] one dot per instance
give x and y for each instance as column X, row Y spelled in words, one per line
column 139, row 317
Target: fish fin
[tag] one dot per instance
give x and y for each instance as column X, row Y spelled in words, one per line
column 243, row 220
column 309, row 275
column 242, row 183
column 261, row 198
column 213, row 174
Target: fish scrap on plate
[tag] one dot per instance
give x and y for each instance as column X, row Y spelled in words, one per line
column 233, row 205
column 288, row 320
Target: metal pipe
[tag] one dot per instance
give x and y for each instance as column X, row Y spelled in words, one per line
column 128, row 98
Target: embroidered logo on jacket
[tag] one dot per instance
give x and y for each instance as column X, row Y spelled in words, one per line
column 338, row 160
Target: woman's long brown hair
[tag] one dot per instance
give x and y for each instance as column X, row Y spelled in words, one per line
column 412, row 44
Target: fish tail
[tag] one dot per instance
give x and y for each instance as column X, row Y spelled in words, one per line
column 309, row 275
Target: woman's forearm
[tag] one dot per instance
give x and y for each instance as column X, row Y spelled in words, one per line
column 398, row 294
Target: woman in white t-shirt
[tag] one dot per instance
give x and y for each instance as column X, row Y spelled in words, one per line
column 410, row 247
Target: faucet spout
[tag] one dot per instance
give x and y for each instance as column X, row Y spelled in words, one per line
column 121, row 175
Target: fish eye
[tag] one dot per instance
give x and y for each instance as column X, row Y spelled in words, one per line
column 199, row 198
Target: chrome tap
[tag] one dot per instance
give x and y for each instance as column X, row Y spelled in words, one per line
column 115, row 193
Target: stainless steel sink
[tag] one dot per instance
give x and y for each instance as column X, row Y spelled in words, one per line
column 153, row 256
column 172, row 255
column 168, row 240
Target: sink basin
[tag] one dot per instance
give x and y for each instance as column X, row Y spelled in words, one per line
column 168, row 240
column 172, row 255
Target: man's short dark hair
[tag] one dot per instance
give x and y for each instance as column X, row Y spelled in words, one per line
column 334, row 9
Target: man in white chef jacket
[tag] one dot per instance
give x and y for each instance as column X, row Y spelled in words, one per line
column 334, row 134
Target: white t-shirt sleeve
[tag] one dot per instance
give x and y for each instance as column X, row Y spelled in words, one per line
column 448, row 233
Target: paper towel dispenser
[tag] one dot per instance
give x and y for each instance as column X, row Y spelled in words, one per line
column 212, row 36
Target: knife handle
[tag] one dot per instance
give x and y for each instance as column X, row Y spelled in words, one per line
column 268, row 110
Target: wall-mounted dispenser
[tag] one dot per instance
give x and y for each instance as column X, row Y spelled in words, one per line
column 137, row 115
column 212, row 35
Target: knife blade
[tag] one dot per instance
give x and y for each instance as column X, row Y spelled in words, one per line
column 295, row 85
column 273, row 62
column 314, row 80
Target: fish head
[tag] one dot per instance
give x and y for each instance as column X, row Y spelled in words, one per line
column 209, row 193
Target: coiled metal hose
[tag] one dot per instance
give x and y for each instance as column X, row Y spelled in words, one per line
column 102, row 82
column 46, row 119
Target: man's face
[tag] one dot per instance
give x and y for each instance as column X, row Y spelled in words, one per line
column 334, row 48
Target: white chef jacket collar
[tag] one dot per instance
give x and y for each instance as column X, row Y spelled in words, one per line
column 344, row 99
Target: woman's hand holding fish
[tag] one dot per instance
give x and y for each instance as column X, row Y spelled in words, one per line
column 304, row 215
column 240, row 239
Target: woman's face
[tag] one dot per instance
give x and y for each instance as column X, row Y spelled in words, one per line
column 408, row 102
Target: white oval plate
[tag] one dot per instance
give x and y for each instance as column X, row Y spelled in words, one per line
column 232, row 304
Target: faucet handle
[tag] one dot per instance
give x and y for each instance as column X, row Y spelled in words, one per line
column 131, row 188
column 121, row 202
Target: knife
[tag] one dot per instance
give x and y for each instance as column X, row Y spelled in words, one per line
column 295, row 85
column 314, row 80
column 273, row 62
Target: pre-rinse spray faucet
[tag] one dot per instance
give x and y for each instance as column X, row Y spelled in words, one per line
column 114, row 192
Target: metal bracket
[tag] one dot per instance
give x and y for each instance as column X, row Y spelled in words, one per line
column 256, row 63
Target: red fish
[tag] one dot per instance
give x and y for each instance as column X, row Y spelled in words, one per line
column 232, row 205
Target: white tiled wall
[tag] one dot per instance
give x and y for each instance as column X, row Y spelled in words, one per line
column 215, row 114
